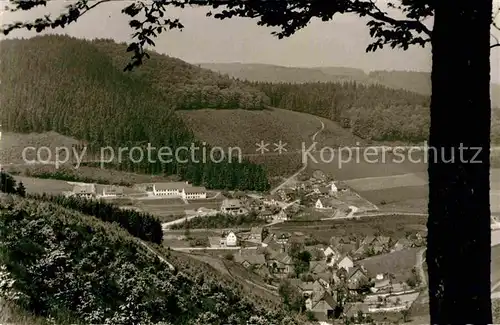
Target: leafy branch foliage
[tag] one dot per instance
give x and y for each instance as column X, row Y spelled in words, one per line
column 148, row 19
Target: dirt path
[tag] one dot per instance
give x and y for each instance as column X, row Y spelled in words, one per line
column 304, row 166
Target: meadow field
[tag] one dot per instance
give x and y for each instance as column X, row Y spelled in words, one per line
column 393, row 226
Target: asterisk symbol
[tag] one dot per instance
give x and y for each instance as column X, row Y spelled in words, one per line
column 262, row 147
column 280, row 147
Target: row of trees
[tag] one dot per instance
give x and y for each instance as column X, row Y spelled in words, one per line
column 141, row 225
column 222, row 221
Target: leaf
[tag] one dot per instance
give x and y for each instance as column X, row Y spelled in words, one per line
column 135, row 24
column 132, row 47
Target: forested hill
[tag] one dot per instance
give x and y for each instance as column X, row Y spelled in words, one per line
column 371, row 112
column 408, row 80
column 77, row 88
column 75, row 269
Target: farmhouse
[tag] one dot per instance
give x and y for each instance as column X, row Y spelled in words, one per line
column 341, row 187
column 231, row 239
column 322, row 190
column 232, row 206
column 256, row 234
column 86, row 191
column 345, row 263
column 250, row 260
column 322, row 305
column 109, row 191
column 332, row 256
column 323, row 204
column 282, row 215
column 272, row 200
column 401, row 244
column 280, row 263
column 356, row 277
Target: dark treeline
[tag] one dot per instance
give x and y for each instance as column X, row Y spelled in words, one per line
column 88, row 97
column 221, row 221
column 141, row 225
column 9, row 185
column 372, row 112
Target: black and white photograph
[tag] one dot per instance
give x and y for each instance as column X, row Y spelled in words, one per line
column 249, row 162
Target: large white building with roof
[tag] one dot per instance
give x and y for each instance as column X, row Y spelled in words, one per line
column 179, row 190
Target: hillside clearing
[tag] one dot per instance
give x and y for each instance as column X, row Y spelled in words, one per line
column 244, row 128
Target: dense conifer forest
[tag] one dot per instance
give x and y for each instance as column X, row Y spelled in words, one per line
column 88, row 97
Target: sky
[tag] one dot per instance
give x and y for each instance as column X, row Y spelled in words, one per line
column 340, row 42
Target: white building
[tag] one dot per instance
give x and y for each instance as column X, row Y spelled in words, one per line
column 323, row 204
column 232, row 206
column 231, row 240
column 346, row 263
column 192, row 193
column 332, row 255
column 333, row 188
column 84, row 190
column 172, row 189
column 109, row 191
column 179, row 190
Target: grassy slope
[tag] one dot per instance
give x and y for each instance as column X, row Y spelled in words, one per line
column 244, row 128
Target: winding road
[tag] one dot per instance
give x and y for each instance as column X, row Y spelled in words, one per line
column 304, row 165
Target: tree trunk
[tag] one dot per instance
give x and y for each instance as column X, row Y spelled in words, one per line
column 458, row 251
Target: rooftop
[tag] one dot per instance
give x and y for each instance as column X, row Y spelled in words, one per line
column 195, row 189
column 231, row 203
column 170, row 186
column 84, row 189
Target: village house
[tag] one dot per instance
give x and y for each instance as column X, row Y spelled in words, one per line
column 401, row 244
column 271, row 200
column 231, row 240
column 332, row 256
column 251, row 260
column 226, row 240
column 322, row 190
column 318, row 267
column 356, row 277
column 282, row 215
column 280, row 263
column 345, row 263
column 256, row 234
column 322, row 203
column 322, row 306
column 232, row 206
column 109, row 191
column 86, row 191
column 306, row 288
column 341, row 187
